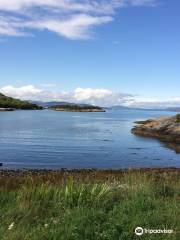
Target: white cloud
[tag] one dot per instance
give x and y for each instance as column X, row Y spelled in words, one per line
column 76, row 27
column 82, row 94
column 105, row 6
column 27, row 92
column 72, row 19
column 101, row 97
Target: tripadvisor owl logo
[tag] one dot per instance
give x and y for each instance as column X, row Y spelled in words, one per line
column 139, row 231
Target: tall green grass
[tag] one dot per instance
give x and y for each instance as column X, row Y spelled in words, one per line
column 82, row 210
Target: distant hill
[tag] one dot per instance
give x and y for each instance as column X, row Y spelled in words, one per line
column 51, row 104
column 173, row 109
column 9, row 102
column 119, row 107
column 116, row 107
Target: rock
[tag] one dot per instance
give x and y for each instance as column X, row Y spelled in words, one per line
column 166, row 129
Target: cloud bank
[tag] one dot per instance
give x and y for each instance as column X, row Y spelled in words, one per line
column 73, row 19
column 101, row 97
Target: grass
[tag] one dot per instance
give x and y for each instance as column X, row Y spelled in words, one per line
column 89, row 206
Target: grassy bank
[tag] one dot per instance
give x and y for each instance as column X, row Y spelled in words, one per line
column 88, row 205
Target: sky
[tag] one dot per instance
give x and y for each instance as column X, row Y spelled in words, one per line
column 103, row 52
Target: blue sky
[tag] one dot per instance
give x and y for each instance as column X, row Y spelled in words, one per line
column 117, row 51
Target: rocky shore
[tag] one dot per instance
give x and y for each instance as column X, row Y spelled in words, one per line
column 85, row 172
column 165, row 129
column 14, row 179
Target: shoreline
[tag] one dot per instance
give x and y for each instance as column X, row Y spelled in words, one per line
column 16, row 179
column 91, row 171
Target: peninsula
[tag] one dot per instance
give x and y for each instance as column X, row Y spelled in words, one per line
column 10, row 104
column 165, row 129
column 77, row 108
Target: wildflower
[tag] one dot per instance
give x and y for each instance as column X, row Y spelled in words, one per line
column 11, row 226
column 46, row 225
column 55, row 221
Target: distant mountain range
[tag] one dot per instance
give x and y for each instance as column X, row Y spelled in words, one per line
column 116, row 107
column 9, row 102
column 54, row 103
column 119, row 107
column 70, row 107
column 173, row 109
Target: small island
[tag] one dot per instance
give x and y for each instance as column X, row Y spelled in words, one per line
column 77, row 108
column 11, row 104
column 165, row 129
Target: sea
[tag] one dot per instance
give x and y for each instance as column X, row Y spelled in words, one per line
column 77, row 140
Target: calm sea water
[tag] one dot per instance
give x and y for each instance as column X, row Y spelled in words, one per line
column 49, row 139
